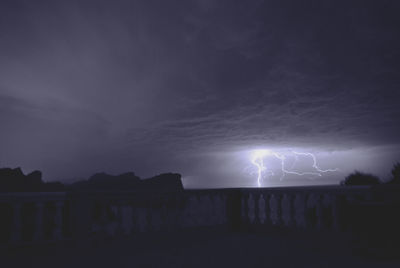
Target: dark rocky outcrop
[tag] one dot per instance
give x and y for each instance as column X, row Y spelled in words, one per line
column 14, row 180
column 166, row 181
column 129, row 182
column 104, row 181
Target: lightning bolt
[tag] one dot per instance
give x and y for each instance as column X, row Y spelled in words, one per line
column 258, row 160
column 258, row 156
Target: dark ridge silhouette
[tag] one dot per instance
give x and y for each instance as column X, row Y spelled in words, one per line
column 359, row 178
column 104, row 181
column 165, row 181
column 129, row 181
column 14, row 180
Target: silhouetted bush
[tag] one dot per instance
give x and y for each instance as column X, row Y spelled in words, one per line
column 395, row 174
column 359, row 178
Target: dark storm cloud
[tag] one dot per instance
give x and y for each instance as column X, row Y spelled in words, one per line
column 119, row 85
column 280, row 73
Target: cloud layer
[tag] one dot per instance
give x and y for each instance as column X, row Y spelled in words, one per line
column 148, row 85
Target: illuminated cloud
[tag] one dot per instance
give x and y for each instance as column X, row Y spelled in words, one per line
column 155, row 86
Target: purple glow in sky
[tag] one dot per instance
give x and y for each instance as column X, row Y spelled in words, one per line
column 194, row 86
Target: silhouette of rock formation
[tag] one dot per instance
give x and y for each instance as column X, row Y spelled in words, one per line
column 166, row 181
column 14, row 180
column 129, row 181
column 104, row 181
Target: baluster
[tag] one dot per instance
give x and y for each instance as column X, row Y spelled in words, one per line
column 38, row 233
column 163, row 213
column 285, row 209
column 194, row 210
column 319, row 212
column 120, row 230
column 128, row 219
column 215, row 208
column 300, row 209
column 220, row 211
column 182, row 214
column 243, row 207
column 290, row 210
column 261, row 209
column 310, row 211
column 156, row 218
column 224, row 214
column 181, row 204
column 17, row 224
column 203, row 216
column 206, row 210
column 171, row 213
column 112, row 224
column 335, row 213
column 57, row 233
column 276, row 209
column 327, row 215
column 210, row 208
column 279, row 208
column 267, row 200
column 273, row 209
column 251, row 207
column 141, row 219
column 256, row 208
column 125, row 218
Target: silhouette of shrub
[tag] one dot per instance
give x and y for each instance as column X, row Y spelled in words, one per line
column 395, row 174
column 359, row 178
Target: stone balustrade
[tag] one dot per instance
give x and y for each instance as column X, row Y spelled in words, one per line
column 300, row 207
column 31, row 217
column 44, row 217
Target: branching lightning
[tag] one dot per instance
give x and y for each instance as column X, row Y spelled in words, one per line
column 258, row 160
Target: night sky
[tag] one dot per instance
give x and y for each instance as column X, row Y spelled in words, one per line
column 194, row 86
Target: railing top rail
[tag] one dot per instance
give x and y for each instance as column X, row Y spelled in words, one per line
column 330, row 188
column 160, row 193
column 33, row 196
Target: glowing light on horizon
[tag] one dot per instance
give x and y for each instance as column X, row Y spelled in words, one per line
column 258, row 160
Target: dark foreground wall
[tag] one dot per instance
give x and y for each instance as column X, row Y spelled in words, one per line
column 31, row 218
